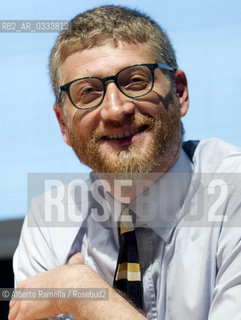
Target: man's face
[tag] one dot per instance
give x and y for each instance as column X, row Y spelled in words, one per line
column 122, row 134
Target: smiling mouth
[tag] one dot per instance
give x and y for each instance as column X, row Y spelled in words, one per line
column 125, row 135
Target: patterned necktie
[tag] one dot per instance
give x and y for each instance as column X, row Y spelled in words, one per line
column 128, row 275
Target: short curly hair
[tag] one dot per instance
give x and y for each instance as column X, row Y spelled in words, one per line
column 115, row 24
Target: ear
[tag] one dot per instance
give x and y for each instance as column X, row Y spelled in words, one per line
column 182, row 91
column 60, row 117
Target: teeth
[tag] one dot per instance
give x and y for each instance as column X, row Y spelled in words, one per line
column 123, row 135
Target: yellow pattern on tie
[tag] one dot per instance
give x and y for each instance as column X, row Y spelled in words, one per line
column 128, row 273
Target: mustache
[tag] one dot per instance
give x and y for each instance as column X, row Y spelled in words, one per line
column 136, row 122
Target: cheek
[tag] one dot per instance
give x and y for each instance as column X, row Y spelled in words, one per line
column 152, row 108
column 83, row 122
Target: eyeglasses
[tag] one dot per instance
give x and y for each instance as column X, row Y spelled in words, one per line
column 134, row 82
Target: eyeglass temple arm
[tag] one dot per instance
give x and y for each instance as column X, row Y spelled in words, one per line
column 164, row 66
column 59, row 92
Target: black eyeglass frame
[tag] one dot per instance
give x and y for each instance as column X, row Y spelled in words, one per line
column 113, row 78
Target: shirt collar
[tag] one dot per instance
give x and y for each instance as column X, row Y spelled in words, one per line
column 160, row 206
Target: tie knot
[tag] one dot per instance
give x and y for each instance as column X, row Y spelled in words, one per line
column 126, row 224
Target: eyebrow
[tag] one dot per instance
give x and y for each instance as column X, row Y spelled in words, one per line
column 99, row 74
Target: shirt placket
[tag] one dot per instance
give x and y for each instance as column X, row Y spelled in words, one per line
column 144, row 241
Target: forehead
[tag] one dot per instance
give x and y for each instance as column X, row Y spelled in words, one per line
column 104, row 60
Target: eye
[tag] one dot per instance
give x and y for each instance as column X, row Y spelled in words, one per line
column 136, row 82
column 86, row 91
column 136, row 79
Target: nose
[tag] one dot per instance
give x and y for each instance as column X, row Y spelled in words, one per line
column 115, row 106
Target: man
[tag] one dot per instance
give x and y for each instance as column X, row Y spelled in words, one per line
column 119, row 100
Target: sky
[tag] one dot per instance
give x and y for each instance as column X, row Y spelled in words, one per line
column 205, row 35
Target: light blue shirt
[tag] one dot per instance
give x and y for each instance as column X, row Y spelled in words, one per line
column 188, row 232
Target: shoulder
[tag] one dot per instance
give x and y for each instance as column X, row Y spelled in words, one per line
column 216, row 155
column 59, row 200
